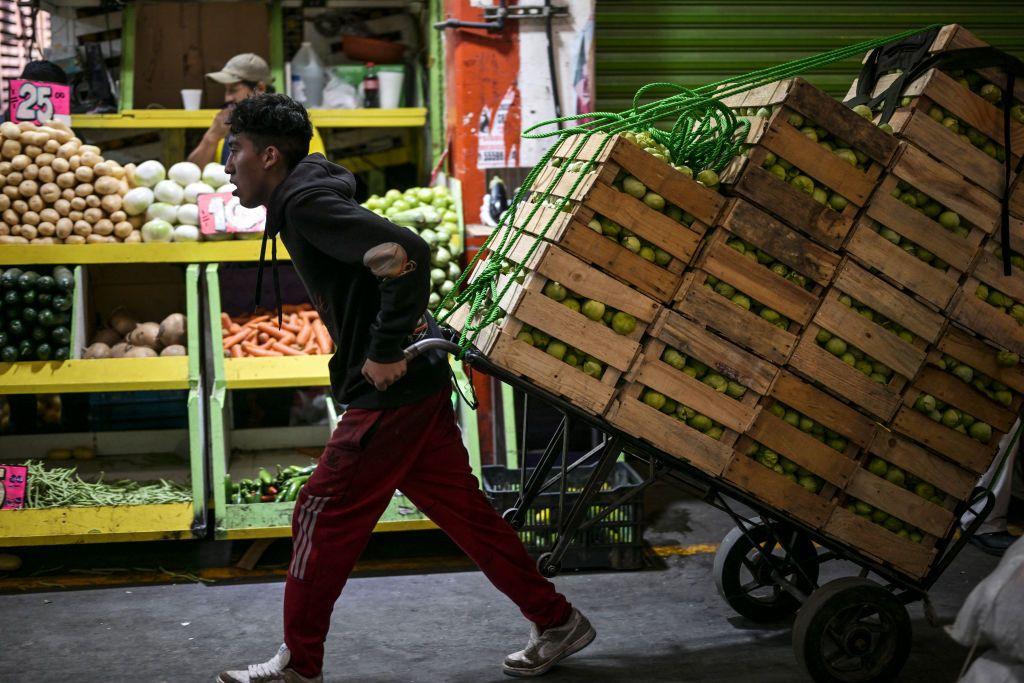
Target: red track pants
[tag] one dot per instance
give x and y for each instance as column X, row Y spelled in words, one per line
column 417, row 449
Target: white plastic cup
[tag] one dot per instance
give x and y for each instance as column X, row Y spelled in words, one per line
column 390, row 88
column 191, row 99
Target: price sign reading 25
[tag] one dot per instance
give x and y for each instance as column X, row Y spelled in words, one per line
column 38, row 102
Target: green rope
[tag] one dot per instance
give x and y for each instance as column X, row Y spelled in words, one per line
column 705, row 134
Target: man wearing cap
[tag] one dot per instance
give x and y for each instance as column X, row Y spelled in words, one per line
column 243, row 76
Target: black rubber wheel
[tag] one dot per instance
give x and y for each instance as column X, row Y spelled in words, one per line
column 743, row 576
column 546, row 567
column 852, row 630
column 510, row 517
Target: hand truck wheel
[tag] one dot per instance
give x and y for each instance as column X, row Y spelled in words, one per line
column 510, row 517
column 743, row 576
column 852, row 629
column 547, row 567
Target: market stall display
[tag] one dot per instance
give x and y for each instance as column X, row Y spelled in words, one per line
column 258, row 335
column 36, row 314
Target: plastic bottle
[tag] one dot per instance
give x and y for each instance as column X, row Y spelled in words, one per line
column 371, row 87
column 308, row 67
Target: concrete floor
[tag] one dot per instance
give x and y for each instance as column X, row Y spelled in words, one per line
column 661, row 624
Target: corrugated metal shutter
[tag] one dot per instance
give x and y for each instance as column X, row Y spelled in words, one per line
column 692, row 43
column 15, row 41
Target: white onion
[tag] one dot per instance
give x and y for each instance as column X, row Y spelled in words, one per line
column 184, row 173
column 169, row 192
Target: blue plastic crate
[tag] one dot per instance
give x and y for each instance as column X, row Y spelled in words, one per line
column 128, row 410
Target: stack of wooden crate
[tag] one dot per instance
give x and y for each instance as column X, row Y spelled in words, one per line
column 833, row 333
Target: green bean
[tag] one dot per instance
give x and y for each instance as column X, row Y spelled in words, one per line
column 50, row 487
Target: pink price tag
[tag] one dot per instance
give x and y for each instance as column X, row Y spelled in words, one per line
column 13, row 483
column 221, row 212
column 38, row 102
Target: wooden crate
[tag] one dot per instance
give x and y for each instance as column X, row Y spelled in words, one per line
column 746, row 177
column 914, row 124
column 747, row 276
column 525, row 304
column 873, row 540
column 988, row 266
column 904, row 359
column 960, row 448
column 665, row 432
column 905, row 270
column 984, row 319
column 592, row 194
column 834, row 467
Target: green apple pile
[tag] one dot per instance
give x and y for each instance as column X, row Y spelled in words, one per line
column 949, row 220
column 786, row 467
column 765, row 259
column 626, row 238
column 688, row 416
column 794, row 418
column 694, row 368
column 955, row 419
column 987, row 91
column 895, row 475
column 1004, row 303
column 789, row 173
column 997, row 391
column 745, row 302
column 707, row 177
column 429, row 212
column 883, row 519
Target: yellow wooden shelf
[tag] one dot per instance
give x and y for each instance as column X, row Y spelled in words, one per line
column 55, row 526
column 286, row 531
column 269, row 373
column 408, row 117
column 151, row 252
column 108, row 374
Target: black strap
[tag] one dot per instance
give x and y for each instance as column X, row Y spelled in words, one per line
column 912, row 58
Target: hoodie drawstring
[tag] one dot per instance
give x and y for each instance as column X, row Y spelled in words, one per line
column 259, row 277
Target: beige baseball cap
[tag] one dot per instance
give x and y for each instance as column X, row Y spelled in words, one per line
column 244, row 67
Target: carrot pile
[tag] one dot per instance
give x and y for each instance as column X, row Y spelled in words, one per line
column 254, row 336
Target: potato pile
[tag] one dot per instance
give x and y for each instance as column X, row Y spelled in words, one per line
column 125, row 337
column 55, row 189
column 789, row 173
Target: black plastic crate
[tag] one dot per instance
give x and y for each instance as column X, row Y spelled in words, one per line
column 130, row 410
column 616, row 542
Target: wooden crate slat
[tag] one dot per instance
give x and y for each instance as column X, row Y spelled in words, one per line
column 907, row 556
column 971, row 108
column 778, row 491
column 986, row 320
column 959, row 448
column 822, row 408
column 899, row 502
column 803, row 449
column 650, row 225
column 948, row 188
column 916, row 126
column 736, row 324
column 869, row 337
column 873, row 250
column 892, row 213
column 792, row 206
column 825, row 167
column 576, row 329
column 890, row 302
column 820, row 365
column 980, row 356
column 694, row 394
column 776, row 238
column 961, row 395
column 989, row 269
column 938, row 472
column 669, row 435
column 701, row 202
column 552, row 374
column 732, row 362
column 759, row 283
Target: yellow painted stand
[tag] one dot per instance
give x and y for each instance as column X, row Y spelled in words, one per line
column 80, row 376
column 269, row 373
column 150, row 252
column 51, row 526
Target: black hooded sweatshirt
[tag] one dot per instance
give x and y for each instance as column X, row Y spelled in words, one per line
column 368, row 278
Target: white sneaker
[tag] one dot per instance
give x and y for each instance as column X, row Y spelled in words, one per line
column 547, row 649
column 274, row 670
